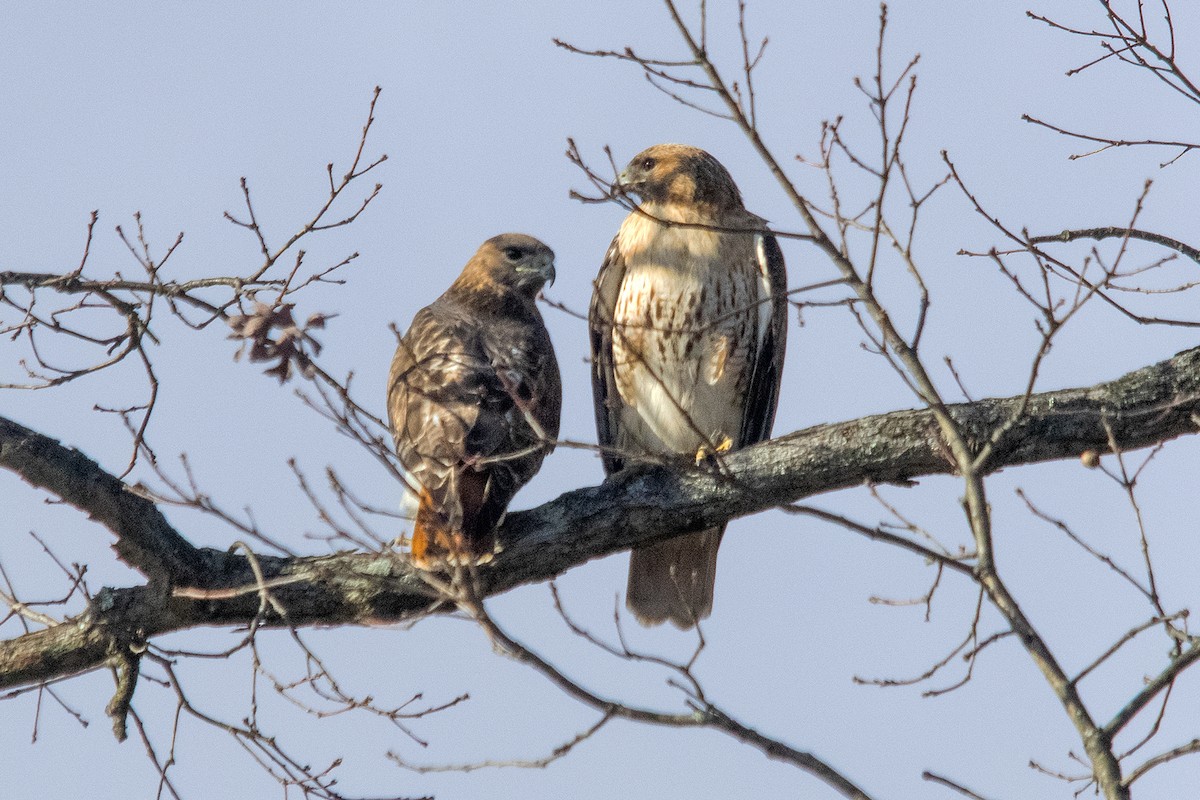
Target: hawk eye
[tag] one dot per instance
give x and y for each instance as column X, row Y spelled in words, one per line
column 648, row 164
column 513, row 253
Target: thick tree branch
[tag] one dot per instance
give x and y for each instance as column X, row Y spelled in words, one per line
column 145, row 540
column 1142, row 408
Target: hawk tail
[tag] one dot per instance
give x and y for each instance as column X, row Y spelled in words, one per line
column 436, row 537
column 673, row 579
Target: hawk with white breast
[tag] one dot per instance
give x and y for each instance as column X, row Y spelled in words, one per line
column 688, row 324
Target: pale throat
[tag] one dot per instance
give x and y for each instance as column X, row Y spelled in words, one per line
column 643, row 239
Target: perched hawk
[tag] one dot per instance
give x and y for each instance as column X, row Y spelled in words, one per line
column 688, row 325
column 473, row 398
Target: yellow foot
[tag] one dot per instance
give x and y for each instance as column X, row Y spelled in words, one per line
column 704, row 452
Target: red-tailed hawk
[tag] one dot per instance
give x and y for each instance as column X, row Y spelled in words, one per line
column 474, row 397
column 688, row 326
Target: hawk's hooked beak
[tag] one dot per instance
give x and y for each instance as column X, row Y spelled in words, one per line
column 626, row 183
column 543, row 268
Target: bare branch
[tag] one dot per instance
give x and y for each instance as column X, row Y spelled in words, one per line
column 1120, row 233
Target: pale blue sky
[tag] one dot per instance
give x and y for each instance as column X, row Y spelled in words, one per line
column 163, row 107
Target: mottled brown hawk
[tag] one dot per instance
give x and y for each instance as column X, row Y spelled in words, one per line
column 473, row 398
column 688, row 326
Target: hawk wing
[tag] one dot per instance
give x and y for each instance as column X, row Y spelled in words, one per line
column 474, row 408
column 762, row 395
column 600, row 324
column 436, row 391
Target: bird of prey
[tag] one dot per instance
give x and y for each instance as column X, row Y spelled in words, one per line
column 473, row 398
column 688, row 324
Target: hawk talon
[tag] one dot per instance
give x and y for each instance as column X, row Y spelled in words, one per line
column 705, row 453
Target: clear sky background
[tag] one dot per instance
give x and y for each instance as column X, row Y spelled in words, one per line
column 161, row 108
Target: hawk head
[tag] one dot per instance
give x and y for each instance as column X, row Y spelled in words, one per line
column 679, row 173
column 512, row 261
